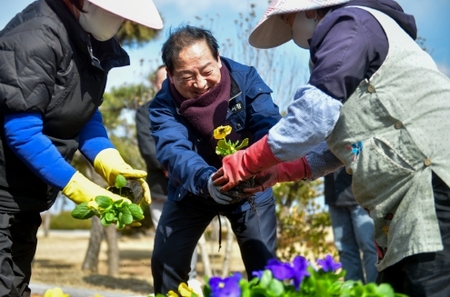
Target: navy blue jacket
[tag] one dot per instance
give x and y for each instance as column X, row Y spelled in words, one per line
column 191, row 159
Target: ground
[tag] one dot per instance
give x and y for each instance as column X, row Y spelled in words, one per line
column 60, row 255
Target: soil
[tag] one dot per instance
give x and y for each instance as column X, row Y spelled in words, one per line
column 60, row 255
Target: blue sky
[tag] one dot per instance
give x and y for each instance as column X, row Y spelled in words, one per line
column 432, row 21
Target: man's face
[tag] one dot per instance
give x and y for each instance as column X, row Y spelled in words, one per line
column 196, row 71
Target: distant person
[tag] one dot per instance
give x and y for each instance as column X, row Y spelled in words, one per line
column 55, row 57
column 203, row 92
column 157, row 176
column 353, row 228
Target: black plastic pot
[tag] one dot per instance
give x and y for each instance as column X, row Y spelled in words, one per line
column 132, row 190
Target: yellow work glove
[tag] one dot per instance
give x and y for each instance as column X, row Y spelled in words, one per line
column 108, row 163
column 80, row 189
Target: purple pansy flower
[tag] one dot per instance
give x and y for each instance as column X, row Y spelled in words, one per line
column 226, row 287
column 328, row 264
column 258, row 273
column 281, row 271
column 300, row 270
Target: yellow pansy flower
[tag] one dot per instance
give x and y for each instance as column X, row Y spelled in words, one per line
column 55, row 292
column 172, row 294
column 185, row 290
column 224, row 146
column 222, row 131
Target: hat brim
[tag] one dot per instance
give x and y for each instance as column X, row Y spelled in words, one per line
column 272, row 31
column 143, row 12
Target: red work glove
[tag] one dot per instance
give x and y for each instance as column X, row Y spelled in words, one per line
column 282, row 172
column 243, row 164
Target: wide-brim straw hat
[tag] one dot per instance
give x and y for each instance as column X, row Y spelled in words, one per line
column 143, row 12
column 272, row 31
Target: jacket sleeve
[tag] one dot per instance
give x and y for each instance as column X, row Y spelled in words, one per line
column 174, row 149
column 310, row 119
column 93, row 137
column 23, row 132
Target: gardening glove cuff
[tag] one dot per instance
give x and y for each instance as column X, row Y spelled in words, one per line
column 243, row 164
column 109, row 163
column 79, row 189
column 282, row 172
column 293, row 171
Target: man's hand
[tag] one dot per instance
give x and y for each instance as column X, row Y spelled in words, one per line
column 217, row 195
column 232, row 172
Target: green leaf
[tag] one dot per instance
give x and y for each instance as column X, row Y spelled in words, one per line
column 222, row 148
column 125, row 216
column 104, row 221
column 244, row 143
column 121, row 181
column 103, row 201
column 109, row 216
column 276, row 287
column 82, row 211
column 385, row 290
column 265, row 278
column 136, row 212
column 120, row 225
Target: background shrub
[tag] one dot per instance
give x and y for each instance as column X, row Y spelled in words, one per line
column 65, row 221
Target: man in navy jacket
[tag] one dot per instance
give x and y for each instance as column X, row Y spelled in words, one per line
column 205, row 91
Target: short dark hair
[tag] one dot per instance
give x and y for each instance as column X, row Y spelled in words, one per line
column 185, row 36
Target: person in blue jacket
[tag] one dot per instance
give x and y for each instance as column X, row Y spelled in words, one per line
column 55, row 56
column 205, row 91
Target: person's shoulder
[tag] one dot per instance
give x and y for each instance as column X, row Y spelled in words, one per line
column 34, row 27
column 38, row 16
column 233, row 65
column 348, row 14
column 143, row 108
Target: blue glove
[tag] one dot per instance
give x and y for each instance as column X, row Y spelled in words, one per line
column 215, row 193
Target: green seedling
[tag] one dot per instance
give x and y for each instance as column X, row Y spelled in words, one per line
column 119, row 212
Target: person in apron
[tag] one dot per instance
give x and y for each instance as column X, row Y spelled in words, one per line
column 377, row 104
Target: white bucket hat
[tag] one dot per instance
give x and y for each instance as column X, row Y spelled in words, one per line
column 272, row 31
column 143, row 12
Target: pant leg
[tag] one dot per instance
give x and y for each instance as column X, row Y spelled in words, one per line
column 179, row 229
column 194, row 259
column 346, row 244
column 426, row 274
column 256, row 235
column 363, row 228
column 156, row 208
column 18, row 241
